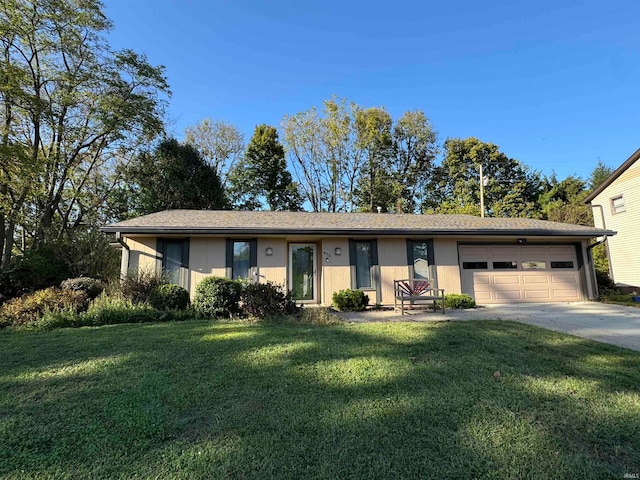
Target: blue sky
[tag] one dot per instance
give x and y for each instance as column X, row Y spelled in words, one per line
column 553, row 83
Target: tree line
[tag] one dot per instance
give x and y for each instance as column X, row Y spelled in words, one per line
column 83, row 143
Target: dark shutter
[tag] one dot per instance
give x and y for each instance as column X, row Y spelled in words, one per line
column 253, row 253
column 185, row 253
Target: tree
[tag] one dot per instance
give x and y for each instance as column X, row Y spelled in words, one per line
column 512, row 188
column 375, row 185
column 262, row 179
column 221, row 144
column 414, row 153
column 70, row 106
column 562, row 201
column 174, row 176
column 599, row 174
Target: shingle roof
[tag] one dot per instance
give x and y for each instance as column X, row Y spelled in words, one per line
column 193, row 222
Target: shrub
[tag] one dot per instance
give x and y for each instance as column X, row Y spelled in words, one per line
column 32, row 307
column 92, row 287
column 217, row 297
column 267, row 300
column 137, row 285
column 114, row 310
column 169, row 297
column 36, row 270
column 455, row 300
column 350, row 300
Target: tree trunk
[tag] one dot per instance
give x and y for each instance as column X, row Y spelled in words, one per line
column 8, row 245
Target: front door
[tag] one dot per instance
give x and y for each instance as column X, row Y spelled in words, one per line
column 302, row 272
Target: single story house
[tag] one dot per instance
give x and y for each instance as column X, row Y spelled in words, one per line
column 616, row 205
column 495, row 260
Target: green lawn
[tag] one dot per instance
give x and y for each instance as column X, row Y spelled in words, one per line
column 204, row 400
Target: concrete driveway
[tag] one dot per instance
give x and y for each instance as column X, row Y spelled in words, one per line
column 613, row 324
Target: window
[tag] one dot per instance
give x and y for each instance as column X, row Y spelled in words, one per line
column 617, row 204
column 420, row 255
column 561, row 264
column 242, row 257
column 475, row 265
column 174, row 254
column 363, row 265
column 363, row 256
column 505, row 265
column 535, row 265
column 241, row 267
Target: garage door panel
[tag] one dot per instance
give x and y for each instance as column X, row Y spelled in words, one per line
column 485, row 297
column 537, row 295
column 508, row 295
column 502, row 285
column 505, row 280
column 560, row 279
column 535, row 279
column 566, row 295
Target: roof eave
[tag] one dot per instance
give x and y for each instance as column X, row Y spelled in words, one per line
column 611, row 178
column 343, row 232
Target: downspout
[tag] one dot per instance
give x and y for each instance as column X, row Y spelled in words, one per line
column 594, row 280
column 125, row 253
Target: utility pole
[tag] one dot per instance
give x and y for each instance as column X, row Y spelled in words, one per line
column 481, row 192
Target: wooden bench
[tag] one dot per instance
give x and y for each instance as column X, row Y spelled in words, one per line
column 415, row 289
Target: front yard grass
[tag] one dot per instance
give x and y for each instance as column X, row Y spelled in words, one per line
column 230, row 400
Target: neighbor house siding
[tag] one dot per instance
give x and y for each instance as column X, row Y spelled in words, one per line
column 623, row 247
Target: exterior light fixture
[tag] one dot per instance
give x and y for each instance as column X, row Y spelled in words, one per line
column 338, row 251
column 269, row 251
column 522, row 241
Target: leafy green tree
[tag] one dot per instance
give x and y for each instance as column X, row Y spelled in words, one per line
column 174, row 176
column 563, row 201
column 221, row 144
column 375, row 188
column 262, row 180
column 511, row 189
column 70, row 105
column 321, row 148
column 414, row 152
column 599, row 174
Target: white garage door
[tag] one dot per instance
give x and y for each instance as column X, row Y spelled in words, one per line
column 520, row 273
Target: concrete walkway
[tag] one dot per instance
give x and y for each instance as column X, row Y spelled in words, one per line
column 615, row 324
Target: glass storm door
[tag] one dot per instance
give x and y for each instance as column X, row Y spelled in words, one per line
column 302, row 271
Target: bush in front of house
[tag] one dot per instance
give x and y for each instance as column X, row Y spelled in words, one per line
column 350, row 300
column 137, row 285
column 217, row 297
column 31, row 307
column 169, row 297
column 267, row 299
column 92, row 287
column 456, row 300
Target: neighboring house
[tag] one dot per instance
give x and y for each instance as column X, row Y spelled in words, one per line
column 495, row 260
column 616, row 206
